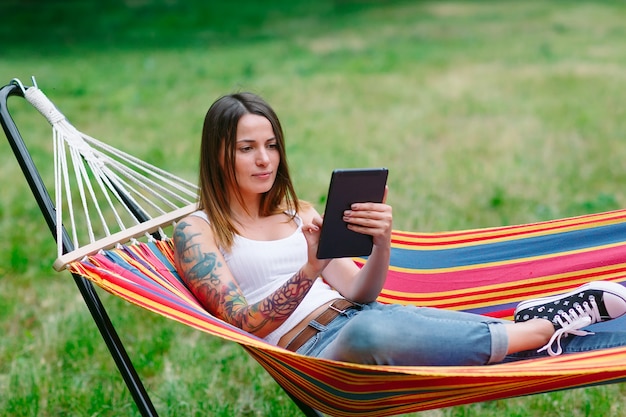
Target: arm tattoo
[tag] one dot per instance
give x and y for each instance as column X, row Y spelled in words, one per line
column 224, row 299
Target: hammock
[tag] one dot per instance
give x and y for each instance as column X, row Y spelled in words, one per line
column 485, row 271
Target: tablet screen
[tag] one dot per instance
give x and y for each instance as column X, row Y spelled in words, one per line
column 349, row 186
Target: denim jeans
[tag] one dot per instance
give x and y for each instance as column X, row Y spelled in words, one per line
column 406, row 335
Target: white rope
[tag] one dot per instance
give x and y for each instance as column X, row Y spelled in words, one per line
column 70, row 134
column 132, row 192
column 68, row 194
column 58, row 194
column 95, row 201
column 138, row 162
column 124, row 186
column 43, row 105
column 105, row 188
column 180, row 186
column 110, row 184
column 81, row 178
column 147, row 182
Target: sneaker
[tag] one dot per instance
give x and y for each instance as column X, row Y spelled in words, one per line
column 590, row 303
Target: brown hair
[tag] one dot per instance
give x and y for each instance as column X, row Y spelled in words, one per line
column 220, row 132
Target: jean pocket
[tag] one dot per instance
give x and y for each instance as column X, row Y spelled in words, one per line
column 308, row 348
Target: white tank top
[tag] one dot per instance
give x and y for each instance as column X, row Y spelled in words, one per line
column 261, row 267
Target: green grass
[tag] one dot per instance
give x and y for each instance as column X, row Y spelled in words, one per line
column 486, row 112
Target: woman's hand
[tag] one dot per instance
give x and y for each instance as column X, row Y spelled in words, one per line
column 363, row 284
column 374, row 219
column 312, row 235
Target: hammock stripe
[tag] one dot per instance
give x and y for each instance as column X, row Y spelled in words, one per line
column 486, row 271
column 464, row 237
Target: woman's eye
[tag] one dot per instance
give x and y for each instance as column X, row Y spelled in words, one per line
column 272, row 146
column 245, row 148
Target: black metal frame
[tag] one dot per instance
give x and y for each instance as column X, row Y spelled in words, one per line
column 86, row 288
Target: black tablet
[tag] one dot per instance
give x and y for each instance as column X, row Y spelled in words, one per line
column 349, row 186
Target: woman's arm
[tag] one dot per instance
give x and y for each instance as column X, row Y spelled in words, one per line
column 205, row 272
column 363, row 285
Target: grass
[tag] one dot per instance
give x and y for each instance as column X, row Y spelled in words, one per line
column 486, row 113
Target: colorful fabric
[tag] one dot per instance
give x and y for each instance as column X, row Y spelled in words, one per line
column 486, row 271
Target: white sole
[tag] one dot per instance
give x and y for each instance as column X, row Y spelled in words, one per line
column 609, row 287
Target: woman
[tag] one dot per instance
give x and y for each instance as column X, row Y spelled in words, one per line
column 248, row 255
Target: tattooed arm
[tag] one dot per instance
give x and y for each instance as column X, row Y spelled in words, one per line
column 204, row 270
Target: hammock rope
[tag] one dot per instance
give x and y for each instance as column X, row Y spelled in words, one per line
column 119, row 187
column 483, row 271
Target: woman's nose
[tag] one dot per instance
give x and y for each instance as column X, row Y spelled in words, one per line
column 263, row 157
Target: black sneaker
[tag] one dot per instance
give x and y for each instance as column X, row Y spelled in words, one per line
column 590, row 303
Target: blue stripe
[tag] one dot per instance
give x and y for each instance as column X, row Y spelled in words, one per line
column 516, row 249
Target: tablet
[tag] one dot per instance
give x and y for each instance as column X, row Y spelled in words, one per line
column 349, row 186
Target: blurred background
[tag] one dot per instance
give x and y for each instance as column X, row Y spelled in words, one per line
column 486, row 113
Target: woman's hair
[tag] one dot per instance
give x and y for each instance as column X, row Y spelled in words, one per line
column 217, row 172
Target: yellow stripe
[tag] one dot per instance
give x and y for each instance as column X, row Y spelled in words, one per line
column 500, row 263
column 537, row 283
column 500, row 291
column 487, row 235
column 200, row 324
column 393, row 401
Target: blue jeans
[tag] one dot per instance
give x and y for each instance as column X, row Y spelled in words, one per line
column 380, row 334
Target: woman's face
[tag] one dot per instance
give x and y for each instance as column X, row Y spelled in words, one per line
column 256, row 155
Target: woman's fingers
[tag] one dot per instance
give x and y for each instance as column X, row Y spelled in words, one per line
column 368, row 211
column 371, row 219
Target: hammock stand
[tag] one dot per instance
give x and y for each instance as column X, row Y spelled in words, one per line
column 485, row 271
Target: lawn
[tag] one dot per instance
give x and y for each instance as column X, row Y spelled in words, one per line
column 486, row 112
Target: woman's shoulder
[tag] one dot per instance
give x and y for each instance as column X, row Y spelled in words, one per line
column 198, row 214
column 194, row 226
column 198, row 221
column 307, row 211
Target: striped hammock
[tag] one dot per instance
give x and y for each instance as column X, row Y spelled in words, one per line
column 486, row 271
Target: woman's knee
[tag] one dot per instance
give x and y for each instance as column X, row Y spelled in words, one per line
column 359, row 341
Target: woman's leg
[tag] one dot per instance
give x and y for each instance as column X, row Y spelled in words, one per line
column 407, row 335
column 528, row 335
column 397, row 335
column 577, row 344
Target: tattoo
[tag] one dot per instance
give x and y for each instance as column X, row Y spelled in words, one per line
column 198, row 269
column 223, row 297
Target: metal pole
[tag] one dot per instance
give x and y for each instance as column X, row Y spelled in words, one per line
column 86, row 288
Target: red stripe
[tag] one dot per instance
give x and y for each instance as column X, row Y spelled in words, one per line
column 479, row 276
column 479, row 235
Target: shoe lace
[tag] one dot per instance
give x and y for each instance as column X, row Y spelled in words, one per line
column 570, row 322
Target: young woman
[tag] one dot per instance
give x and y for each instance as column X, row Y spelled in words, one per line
column 248, row 255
